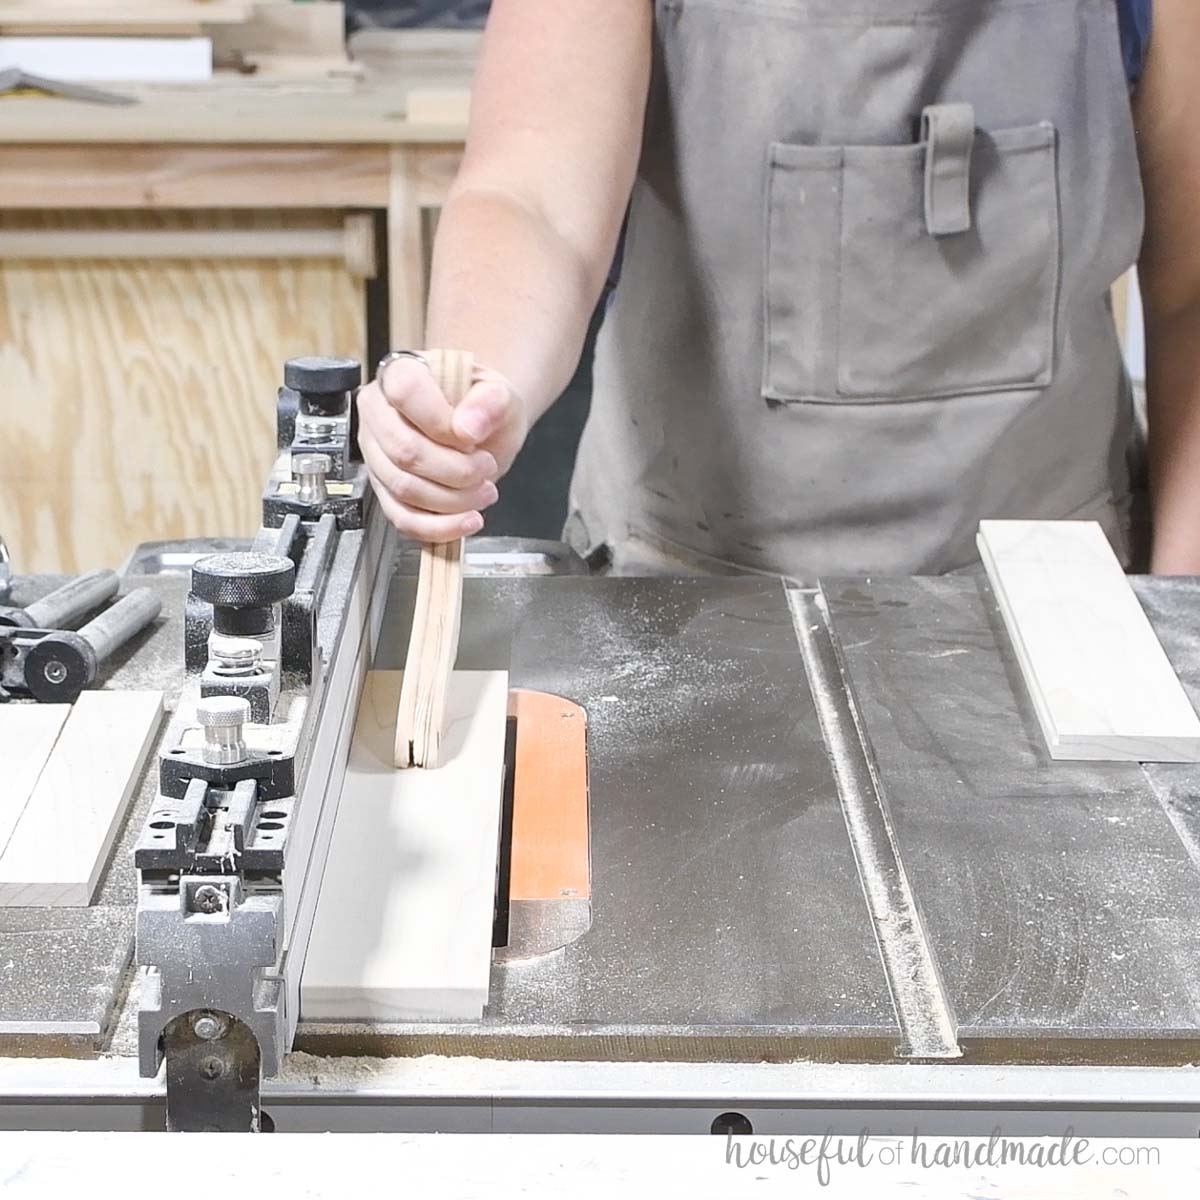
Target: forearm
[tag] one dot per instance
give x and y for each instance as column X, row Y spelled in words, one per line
column 529, row 230
column 1165, row 108
column 523, row 246
column 510, row 289
column 1173, row 396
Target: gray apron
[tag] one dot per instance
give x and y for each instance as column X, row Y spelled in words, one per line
column 864, row 299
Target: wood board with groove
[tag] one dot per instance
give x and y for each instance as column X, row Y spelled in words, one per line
column 433, row 640
column 403, row 930
column 61, row 843
column 27, row 736
column 1100, row 681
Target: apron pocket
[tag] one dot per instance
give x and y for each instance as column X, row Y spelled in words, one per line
column 868, row 299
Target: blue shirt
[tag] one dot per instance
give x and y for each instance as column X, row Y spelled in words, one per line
column 1133, row 17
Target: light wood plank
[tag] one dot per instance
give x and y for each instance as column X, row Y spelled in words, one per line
column 193, row 176
column 403, row 930
column 1100, row 681
column 353, row 244
column 406, row 252
column 27, row 735
column 189, row 16
column 61, row 843
column 436, row 57
column 312, row 32
column 316, row 113
column 433, row 641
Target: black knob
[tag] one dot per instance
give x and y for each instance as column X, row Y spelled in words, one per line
column 243, row 580
column 318, row 375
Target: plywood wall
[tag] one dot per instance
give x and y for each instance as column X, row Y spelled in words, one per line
column 137, row 397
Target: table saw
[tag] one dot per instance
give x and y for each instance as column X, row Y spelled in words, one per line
column 836, row 880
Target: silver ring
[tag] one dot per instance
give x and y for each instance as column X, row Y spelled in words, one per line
column 392, row 355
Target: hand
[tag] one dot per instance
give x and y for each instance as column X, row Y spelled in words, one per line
column 434, row 467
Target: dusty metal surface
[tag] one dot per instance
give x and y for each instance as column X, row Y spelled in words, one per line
column 1061, row 901
column 1061, row 904
column 728, row 916
column 1172, row 605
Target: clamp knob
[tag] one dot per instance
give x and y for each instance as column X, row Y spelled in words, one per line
column 310, row 471
column 243, row 579
column 222, row 718
column 319, row 376
column 242, row 587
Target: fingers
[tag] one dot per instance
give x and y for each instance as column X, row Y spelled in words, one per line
column 425, row 458
column 487, row 408
column 424, row 526
column 410, row 389
column 422, row 493
column 413, row 452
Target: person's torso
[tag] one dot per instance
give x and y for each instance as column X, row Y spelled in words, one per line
column 864, row 297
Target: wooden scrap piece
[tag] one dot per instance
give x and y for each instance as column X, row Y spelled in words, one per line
column 27, row 736
column 403, row 929
column 1100, row 682
column 433, row 642
column 62, row 840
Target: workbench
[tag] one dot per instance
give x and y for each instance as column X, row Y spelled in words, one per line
column 240, row 144
column 182, row 247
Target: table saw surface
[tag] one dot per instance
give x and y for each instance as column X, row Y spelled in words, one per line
column 1055, row 905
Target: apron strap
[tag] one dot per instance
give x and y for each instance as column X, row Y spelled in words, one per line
column 948, row 132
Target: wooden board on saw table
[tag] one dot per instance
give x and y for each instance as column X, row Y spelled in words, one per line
column 1100, row 682
column 61, row 842
column 27, row 735
column 403, row 930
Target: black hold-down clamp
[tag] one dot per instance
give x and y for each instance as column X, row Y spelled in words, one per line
column 40, row 656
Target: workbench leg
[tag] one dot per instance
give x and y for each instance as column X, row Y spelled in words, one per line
column 406, row 251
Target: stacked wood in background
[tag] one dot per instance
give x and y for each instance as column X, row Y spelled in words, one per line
column 271, row 37
column 160, row 260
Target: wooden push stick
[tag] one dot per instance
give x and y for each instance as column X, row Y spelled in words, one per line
column 433, row 643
